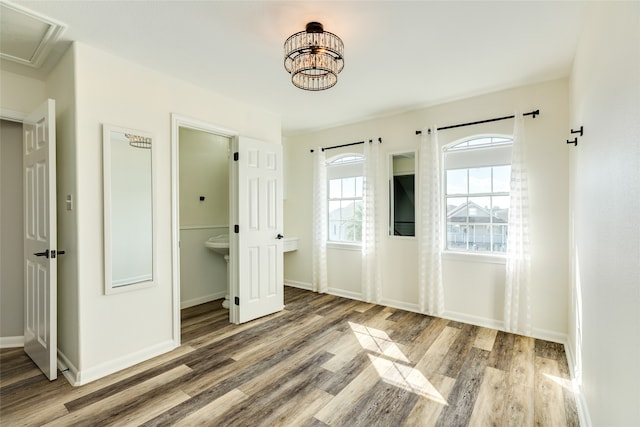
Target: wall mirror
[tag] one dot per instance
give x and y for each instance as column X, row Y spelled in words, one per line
column 402, row 200
column 128, row 209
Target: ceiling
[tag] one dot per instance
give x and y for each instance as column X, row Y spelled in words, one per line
column 399, row 55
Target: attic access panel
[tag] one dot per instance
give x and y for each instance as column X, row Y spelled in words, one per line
column 26, row 37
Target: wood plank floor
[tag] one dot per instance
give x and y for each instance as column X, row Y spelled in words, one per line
column 324, row 360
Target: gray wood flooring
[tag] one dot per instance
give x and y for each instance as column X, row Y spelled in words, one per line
column 324, row 360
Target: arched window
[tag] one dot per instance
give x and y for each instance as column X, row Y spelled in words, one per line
column 476, row 192
column 344, row 185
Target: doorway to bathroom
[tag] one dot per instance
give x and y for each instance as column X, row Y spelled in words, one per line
column 201, row 212
column 253, row 201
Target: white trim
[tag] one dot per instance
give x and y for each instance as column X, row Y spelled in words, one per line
column 178, row 121
column 132, row 281
column 12, row 115
column 202, row 300
column 202, row 227
column 484, row 322
column 300, row 285
column 11, row 342
column 143, row 281
column 345, row 294
column 344, row 246
column 401, row 305
column 578, row 392
column 81, row 377
column 52, row 34
column 548, row 335
column 68, row 369
column 486, row 258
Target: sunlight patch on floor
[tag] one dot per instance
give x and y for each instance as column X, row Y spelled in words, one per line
column 565, row 383
column 392, row 365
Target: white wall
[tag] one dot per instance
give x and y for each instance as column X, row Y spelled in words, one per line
column 11, row 242
column 204, row 171
column 19, row 93
column 474, row 291
column 605, row 246
column 116, row 331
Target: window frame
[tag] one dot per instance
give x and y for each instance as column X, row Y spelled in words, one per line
column 340, row 166
column 476, row 156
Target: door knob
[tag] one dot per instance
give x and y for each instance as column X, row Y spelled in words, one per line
column 279, row 236
column 44, row 254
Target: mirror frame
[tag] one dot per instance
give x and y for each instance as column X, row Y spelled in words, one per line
column 109, row 288
column 391, row 192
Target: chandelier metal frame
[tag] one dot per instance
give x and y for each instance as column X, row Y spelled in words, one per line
column 314, row 58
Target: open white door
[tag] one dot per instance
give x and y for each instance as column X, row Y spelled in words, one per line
column 40, row 240
column 257, row 287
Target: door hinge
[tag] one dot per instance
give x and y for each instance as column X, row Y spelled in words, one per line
column 236, row 228
column 236, row 300
column 236, row 156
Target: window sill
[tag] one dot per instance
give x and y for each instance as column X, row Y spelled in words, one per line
column 344, row 246
column 477, row 257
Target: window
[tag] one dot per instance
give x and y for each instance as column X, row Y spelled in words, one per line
column 477, row 182
column 344, row 185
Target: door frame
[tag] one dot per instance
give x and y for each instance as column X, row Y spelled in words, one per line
column 177, row 122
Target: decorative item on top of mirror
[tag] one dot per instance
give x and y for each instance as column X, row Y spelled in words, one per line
column 129, row 252
column 402, row 200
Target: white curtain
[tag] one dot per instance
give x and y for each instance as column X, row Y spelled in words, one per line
column 430, row 226
column 517, row 298
column 371, row 279
column 319, row 241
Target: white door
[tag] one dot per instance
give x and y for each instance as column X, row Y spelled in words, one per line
column 40, row 257
column 257, row 287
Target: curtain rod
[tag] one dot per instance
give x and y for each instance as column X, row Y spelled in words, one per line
column 531, row 113
column 347, row 145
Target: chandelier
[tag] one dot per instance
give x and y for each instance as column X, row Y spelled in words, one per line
column 314, row 58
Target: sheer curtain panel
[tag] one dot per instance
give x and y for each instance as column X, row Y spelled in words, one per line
column 371, row 277
column 319, row 241
column 430, row 226
column 517, row 298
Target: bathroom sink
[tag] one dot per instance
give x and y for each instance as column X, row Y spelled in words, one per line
column 290, row 244
column 219, row 244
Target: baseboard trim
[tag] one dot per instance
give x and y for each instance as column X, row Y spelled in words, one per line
column 547, row 335
column 81, row 377
column 11, row 342
column 301, row 285
column 576, row 383
column 345, row 294
column 484, row 322
column 201, row 300
column 68, row 369
column 401, row 305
